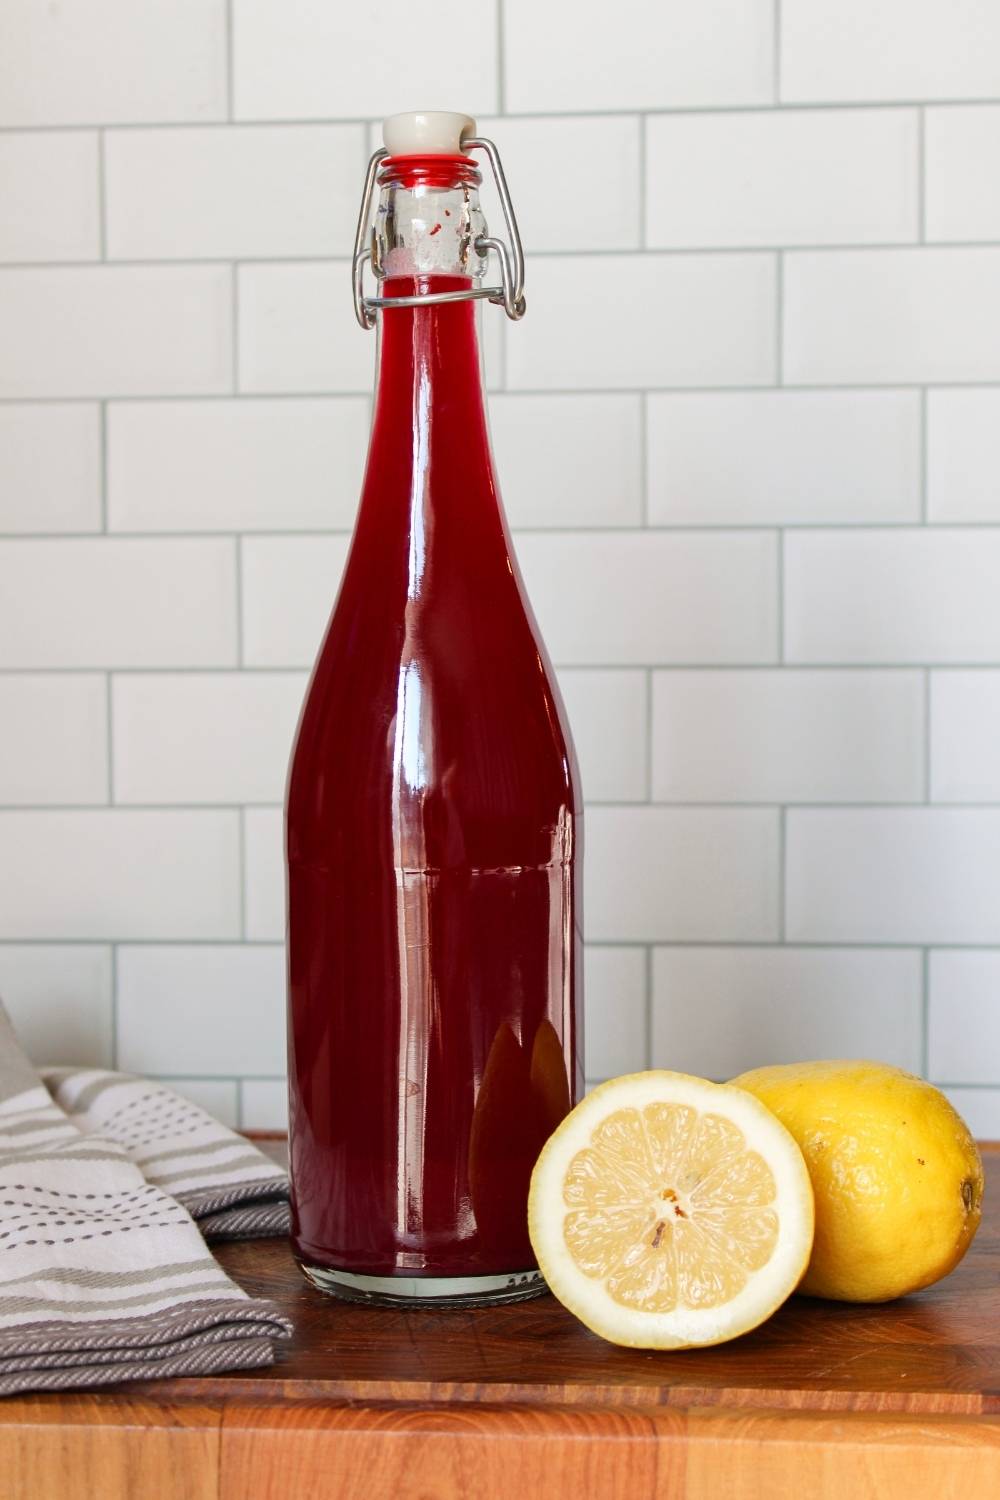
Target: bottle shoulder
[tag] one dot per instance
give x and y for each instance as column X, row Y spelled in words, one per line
column 478, row 769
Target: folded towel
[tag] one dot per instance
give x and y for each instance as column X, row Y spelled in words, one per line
column 104, row 1274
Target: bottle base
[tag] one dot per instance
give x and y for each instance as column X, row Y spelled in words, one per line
column 426, row 1291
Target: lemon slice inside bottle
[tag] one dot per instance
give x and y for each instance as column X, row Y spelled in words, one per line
column 667, row 1211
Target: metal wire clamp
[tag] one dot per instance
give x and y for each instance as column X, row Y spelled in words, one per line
column 509, row 295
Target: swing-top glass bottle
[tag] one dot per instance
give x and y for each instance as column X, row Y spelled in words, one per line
column 433, row 809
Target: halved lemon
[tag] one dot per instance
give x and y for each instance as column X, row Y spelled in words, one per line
column 667, row 1211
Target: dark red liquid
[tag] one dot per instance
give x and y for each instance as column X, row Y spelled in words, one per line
column 433, row 847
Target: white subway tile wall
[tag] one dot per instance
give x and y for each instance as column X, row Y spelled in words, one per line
column 597, row 205
column 59, row 998
column 796, row 177
column 113, row 62
column 719, row 1011
column 884, row 317
column 963, row 992
column 569, row 461
column 620, row 321
column 50, row 463
column 263, row 465
column 200, row 1011
column 263, row 875
column 565, row 56
column 297, row 331
column 54, row 741
column 308, row 60
column 792, row 458
column 239, row 754
column 47, row 185
column 963, row 454
column 609, row 712
column 963, row 172
column 253, row 190
column 788, row 736
column 615, row 1010
column 616, row 598
column 965, row 736
column 220, row 1096
column 748, row 437
column 116, row 331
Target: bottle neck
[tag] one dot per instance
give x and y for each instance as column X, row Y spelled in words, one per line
column 429, row 451
column 429, row 380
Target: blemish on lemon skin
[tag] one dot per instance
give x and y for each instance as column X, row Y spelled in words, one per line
column 921, row 1161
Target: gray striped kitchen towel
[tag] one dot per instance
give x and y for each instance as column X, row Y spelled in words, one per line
column 104, row 1274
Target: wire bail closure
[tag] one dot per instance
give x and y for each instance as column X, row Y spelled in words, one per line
column 509, row 295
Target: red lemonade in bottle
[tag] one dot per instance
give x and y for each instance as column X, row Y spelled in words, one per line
column 433, row 818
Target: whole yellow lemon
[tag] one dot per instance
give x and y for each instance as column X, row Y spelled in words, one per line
column 897, row 1177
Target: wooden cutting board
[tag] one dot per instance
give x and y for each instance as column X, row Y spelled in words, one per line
column 826, row 1402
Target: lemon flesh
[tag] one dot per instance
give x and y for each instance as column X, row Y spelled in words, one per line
column 666, row 1211
column 897, row 1177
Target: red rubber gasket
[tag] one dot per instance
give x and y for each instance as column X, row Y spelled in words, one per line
column 433, row 171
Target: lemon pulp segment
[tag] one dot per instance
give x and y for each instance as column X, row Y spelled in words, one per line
column 669, row 1206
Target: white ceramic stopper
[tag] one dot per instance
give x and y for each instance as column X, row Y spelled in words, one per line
column 427, row 132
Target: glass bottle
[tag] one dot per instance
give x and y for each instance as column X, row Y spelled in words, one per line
column 433, row 816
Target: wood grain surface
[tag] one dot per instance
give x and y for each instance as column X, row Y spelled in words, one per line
column 844, row 1403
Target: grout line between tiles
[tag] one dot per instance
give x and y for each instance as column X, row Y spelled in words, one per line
column 787, row 106
column 706, row 251
column 521, row 529
column 718, row 532
column 602, row 804
column 679, row 390
column 302, row 667
column 776, row 19
column 163, row 1074
column 826, row 945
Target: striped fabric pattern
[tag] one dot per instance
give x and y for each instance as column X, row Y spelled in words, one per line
column 224, row 1182
column 104, row 1272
